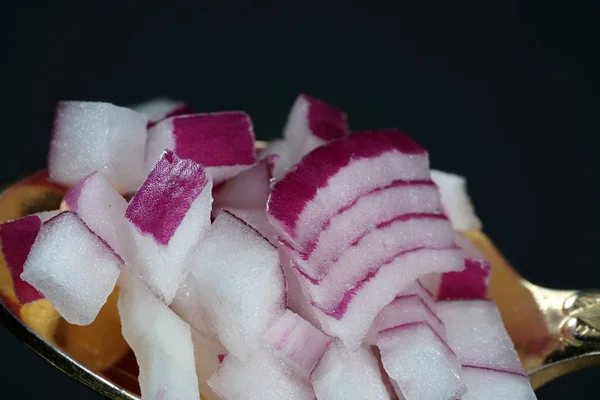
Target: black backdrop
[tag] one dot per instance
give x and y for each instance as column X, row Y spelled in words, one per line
column 505, row 95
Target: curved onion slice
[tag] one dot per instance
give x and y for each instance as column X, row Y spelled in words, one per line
column 333, row 176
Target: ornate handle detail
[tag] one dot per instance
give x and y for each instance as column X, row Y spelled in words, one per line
column 582, row 321
column 574, row 326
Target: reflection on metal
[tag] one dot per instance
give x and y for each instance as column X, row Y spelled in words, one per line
column 94, row 380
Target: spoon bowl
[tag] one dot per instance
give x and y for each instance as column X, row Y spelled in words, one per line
column 555, row 332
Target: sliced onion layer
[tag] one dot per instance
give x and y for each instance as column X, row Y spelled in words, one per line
column 389, row 240
column 407, row 309
column 365, row 214
column 335, row 175
column 351, row 318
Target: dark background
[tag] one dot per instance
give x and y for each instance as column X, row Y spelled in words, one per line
column 507, row 95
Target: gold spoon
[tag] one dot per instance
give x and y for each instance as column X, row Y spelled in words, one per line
column 554, row 331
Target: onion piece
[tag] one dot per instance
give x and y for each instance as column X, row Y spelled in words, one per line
column 412, row 343
column 161, row 341
column 407, row 309
column 297, row 341
column 72, row 267
column 91, row 136
column 261, row 375
column 470, row 283
column 284, row 152
column 456, row 201
column 297, row 300
column 248, row 190
column 239, row 282
column 476, row 334
column 351, row 319
column 166, row 218
column 160, row 108
column 186, row 304
column 207, row 347
column 333, row 176
column 486, row 384
column 312, row 123
column 420, row 362
column 17, row 238
column 365, row 214
column 256, row 218
column 222, row 142
column 348, row 374
column 102, row 208
column 397, row 236
column 208, row 353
